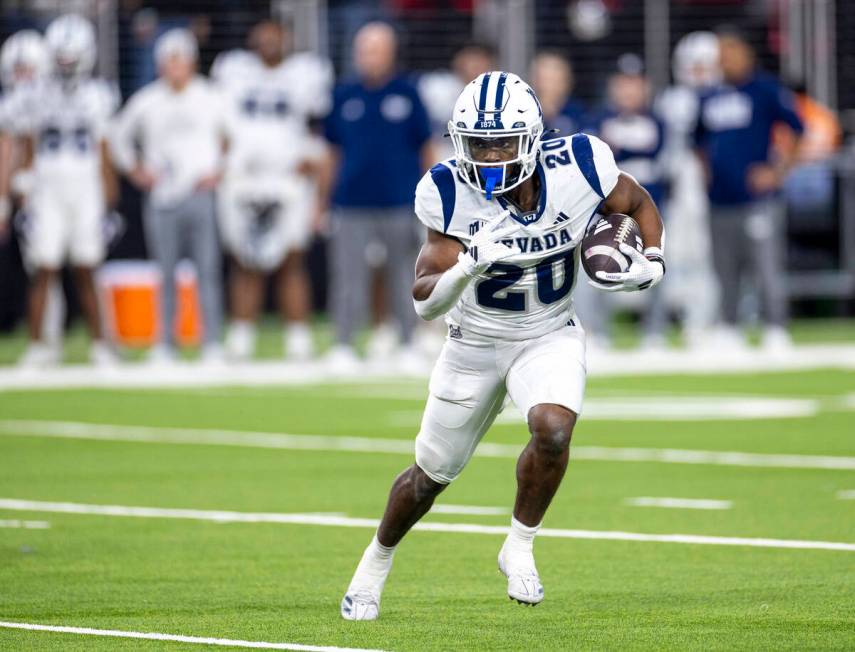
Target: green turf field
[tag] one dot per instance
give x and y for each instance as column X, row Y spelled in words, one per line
column 278, row 582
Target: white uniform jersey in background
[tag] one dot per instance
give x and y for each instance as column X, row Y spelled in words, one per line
column 529, row 294
column 65, row 206
column 270, row 109
column 265, row 204
column 67, row 123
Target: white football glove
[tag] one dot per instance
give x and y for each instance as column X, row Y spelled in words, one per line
column 645, row 271
column 486, row 247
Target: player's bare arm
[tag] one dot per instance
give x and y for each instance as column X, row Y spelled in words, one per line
column 444, row 267
column 629, row 198
column 108, row 176
column 5, row 173
column 327, row 171
column 438, row 254
column 648, row 267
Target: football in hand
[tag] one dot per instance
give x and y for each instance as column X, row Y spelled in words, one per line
column 601, row 245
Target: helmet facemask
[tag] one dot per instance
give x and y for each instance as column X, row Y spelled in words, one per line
column 494, row 162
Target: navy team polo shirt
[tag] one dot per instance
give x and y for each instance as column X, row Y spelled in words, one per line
column 570, row 120
column 734, row 130
column 380, row 132
column 637, row 141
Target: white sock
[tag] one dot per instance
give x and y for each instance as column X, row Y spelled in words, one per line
column 374, row 566
column 521, row 537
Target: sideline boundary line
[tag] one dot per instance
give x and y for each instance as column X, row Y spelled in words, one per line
column 466, row 528
column 178, row 638
column 255, row 439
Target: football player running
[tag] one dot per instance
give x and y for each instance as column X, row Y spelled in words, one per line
column 266, row 198
column 62, row 121
column 504, row 219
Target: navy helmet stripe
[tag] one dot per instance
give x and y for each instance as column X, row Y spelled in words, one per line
column 584, row 155
column 500, row 89
column 482, row 102
column 443, row 178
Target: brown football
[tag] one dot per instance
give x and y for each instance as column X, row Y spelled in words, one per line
column 600, row 246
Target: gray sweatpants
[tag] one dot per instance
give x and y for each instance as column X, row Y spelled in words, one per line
column 750, row 238
column 354, row 232
column 187, row 228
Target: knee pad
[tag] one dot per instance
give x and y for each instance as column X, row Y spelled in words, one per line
column 435, row 462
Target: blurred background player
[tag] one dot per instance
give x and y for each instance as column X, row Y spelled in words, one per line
column 379, row 135
column 67, row 181
column 552, row 80
column 23, row 60
column 636, row 136
column 169, row 139
column 734, row 136
column 692, row 283
column 267, row 197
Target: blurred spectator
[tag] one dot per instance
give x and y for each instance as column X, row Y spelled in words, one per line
column 551, row 77
column 637, row 138
column 66, row 179
column 345, row 19
column 266, row 200
column 691, row 280
column 179, row 124
column 439, row 89
column 734, row 134
column 380, row 144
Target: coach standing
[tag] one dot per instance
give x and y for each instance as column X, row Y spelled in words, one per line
column 734, row 135
column 169, row 140
column 379, row 134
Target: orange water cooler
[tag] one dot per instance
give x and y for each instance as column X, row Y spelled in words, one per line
column 130, row 300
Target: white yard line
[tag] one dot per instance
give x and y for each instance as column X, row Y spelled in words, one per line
column 468, row 528
column 678, row 503
column 846, row 494
column 178, row 638
column 27, row 525
column 272, row 372
column 475, row 510
column 252, row 439
column 663, row 408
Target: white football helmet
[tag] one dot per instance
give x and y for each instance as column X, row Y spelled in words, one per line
column 496, row 128
column 23, row 58
column 695, row 60
column 71, row 41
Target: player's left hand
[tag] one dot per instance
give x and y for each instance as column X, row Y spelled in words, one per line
column 643, row 273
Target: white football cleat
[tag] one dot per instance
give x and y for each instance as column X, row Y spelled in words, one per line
column 39, row 356
column 523, row 581
column 341, row 360
column 102, row 354
column 240, row 341
column 776, row 340
column 360, row 604
column 298, row 343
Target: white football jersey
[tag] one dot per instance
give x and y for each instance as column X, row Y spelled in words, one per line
column 270, row 110
column 67, row 124
column 528, row 294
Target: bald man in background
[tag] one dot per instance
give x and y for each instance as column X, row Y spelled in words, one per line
column 379, row 136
